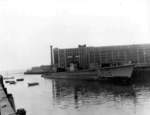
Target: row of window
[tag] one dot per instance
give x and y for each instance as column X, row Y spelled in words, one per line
column 102, row 55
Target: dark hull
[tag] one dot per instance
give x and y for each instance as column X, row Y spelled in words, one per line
column 19, row 79
column 33, row 84
column 72, row 75
column 12, row 82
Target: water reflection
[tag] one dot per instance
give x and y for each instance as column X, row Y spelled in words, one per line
column 75, row 97
column 68, row 93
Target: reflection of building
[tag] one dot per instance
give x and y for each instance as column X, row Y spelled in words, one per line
column 65, row 91
column 85, row 57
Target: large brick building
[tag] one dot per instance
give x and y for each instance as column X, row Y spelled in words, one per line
column 86, row 57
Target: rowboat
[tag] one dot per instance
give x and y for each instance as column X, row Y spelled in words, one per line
column 33, row 84
column 12, row 82
column 20, row 79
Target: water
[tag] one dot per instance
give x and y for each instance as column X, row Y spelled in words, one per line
column 74, row 97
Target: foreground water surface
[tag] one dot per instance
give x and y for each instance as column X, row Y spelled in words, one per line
column 75, row 97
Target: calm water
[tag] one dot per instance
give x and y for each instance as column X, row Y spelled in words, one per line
column 66, row 97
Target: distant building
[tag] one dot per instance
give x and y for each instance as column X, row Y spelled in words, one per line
column 91, row 57
column 38, row 69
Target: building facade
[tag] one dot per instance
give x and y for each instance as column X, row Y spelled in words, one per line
column 87, row 57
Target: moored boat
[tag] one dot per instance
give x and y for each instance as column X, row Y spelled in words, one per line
column 33, row 84
column 119, row 74
column 123, row 71
column 20, row 79
column 7, row 81
column 12, row 82
column 86, row 75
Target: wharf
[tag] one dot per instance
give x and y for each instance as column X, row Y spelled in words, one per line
column 7, row 106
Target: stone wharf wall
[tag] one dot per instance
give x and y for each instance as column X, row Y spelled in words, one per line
column 9, row 100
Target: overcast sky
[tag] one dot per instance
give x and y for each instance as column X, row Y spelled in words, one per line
column 28, row 27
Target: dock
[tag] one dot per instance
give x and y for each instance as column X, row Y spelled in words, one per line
column 7, row 105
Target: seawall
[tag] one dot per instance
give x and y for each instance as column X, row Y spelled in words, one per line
column 7, row 105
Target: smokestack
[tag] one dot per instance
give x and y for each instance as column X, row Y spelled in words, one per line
column 51, row 48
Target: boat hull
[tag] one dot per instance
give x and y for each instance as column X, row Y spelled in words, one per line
column 21, row 79
column 33, row 84
column 116, row 72
column 121, row 73
column 72, row 75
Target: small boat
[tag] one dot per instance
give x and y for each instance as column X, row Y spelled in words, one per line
column 7, row 81
column 33, row 84
column 12, row 82
column 20, row 79
column 8, row 78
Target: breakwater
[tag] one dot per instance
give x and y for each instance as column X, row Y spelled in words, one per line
column 7, row 105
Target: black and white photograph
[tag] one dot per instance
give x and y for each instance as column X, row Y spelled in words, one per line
column 74, row 57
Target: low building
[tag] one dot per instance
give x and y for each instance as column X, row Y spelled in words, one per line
column 39, row 69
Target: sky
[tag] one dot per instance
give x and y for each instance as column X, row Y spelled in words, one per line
column 29, row 27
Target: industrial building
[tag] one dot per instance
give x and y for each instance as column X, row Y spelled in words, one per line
column 92, row 57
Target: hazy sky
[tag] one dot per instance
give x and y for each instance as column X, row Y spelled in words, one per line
column 28, row 27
